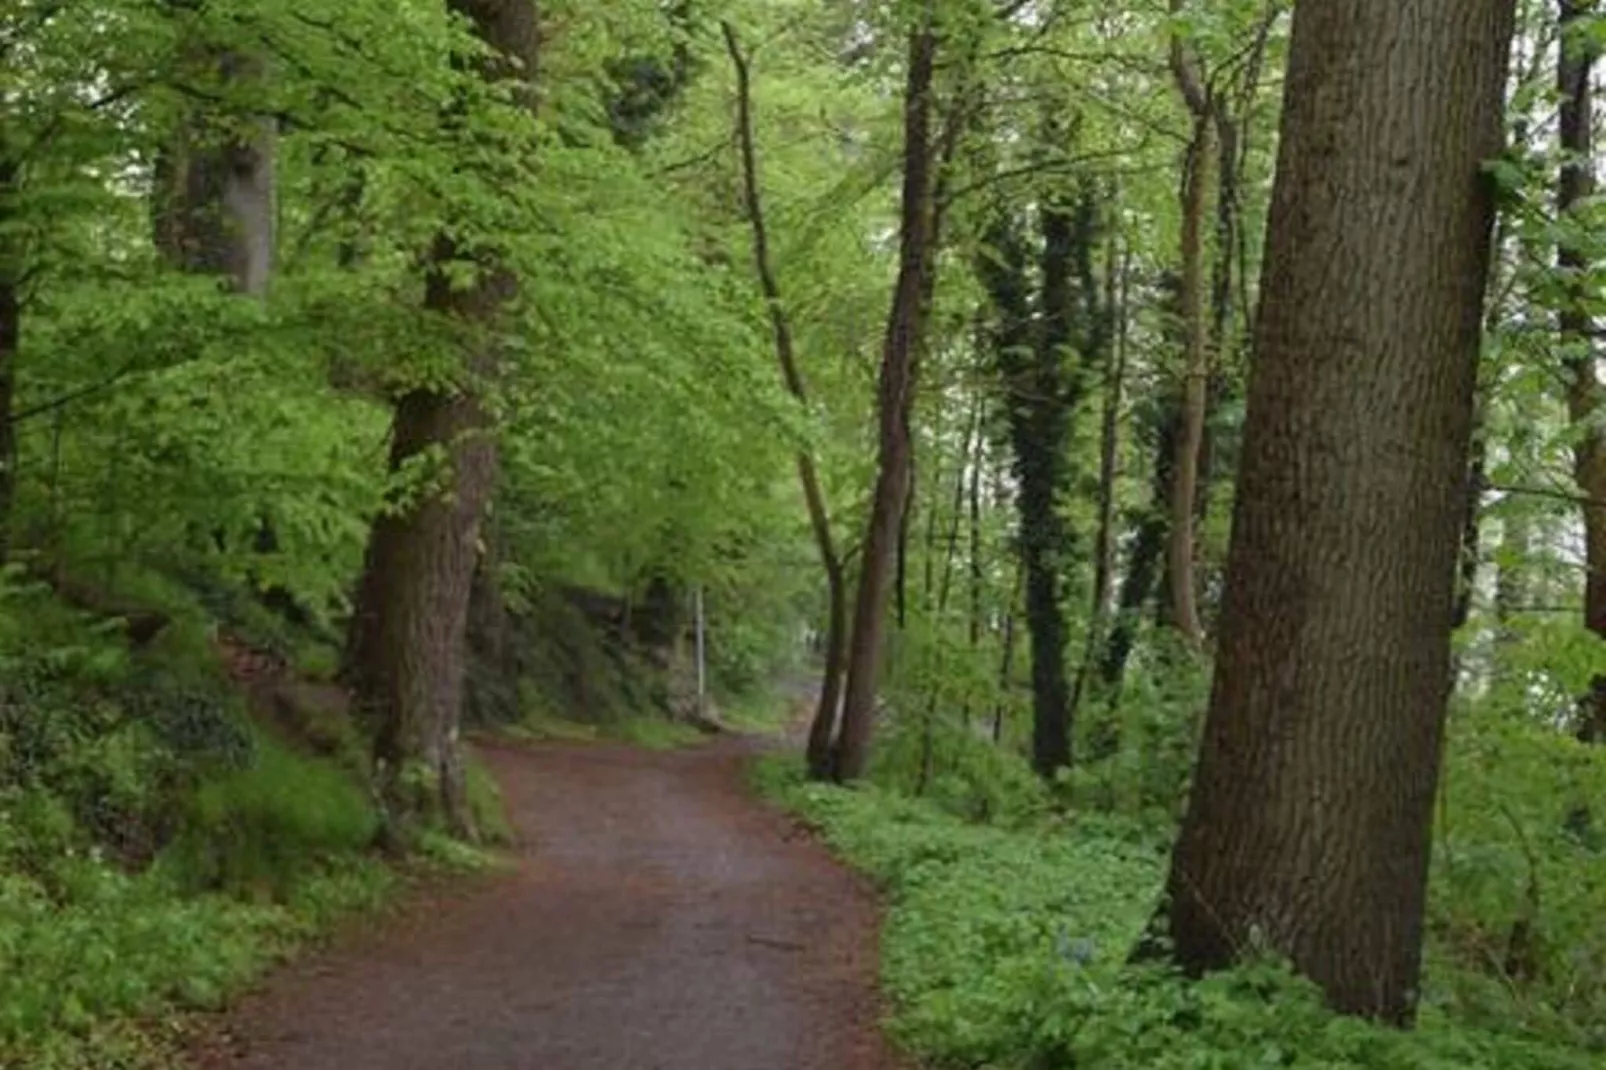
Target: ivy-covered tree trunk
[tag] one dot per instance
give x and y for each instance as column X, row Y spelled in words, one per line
column 893, row 399
column 1308, row 828
column 406, row 649
column 1578, row 52
column 1044, row 381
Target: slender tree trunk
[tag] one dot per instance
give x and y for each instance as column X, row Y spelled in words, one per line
column 900, row 583
column 10, row 344
column 968, row 458
column 1109, row 452
column 928, row 587
column 406, row 648
column 822, row 729
column 1145, row 571
column 1006, row 664
column 1308, row 828
column 1184, row 612
column 975, row 562
column 1195, row 299
column 894, row 397
column 1585, row 395
column 969, row 461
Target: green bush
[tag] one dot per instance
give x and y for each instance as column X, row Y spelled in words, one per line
column 1008, row 947
column 258, row 828
column 958, row 769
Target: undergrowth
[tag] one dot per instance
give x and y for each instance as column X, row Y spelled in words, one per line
column 159, row 849
column 1006, row 946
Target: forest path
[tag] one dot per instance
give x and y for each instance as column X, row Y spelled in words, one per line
column 658, row 919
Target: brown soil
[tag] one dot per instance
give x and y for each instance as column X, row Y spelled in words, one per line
column 658, row 919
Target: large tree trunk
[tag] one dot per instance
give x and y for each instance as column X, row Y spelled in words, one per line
column 894, row 397
column 1585, row 395
column 406, row 649
column 1308, row 828
column 822, row 729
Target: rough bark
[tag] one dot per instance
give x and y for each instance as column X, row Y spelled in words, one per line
column 822, row 729
column 894, row 396
column 1308, row 827
column 1585, row 395
column 406, row 648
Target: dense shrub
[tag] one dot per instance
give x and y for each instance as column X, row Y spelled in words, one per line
column 1007, row 948
column 258, row 828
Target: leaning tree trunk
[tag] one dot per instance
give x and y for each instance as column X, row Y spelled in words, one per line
column 822, row 729
column 894, row 395
column 406, row 650
column 1308, row 828
column 1585, row 395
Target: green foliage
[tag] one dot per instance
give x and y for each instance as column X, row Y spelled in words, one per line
column 1520, row 876
column 259, row 828
column 103, row 946
column 1008, row 948
column 486, row 805
column 958, row 769
column 656, row 734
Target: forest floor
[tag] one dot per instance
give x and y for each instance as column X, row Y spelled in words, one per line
column 657, row 917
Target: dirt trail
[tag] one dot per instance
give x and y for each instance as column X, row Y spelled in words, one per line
column 659, row 919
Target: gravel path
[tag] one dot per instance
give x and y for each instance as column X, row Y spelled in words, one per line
column 658, row 919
